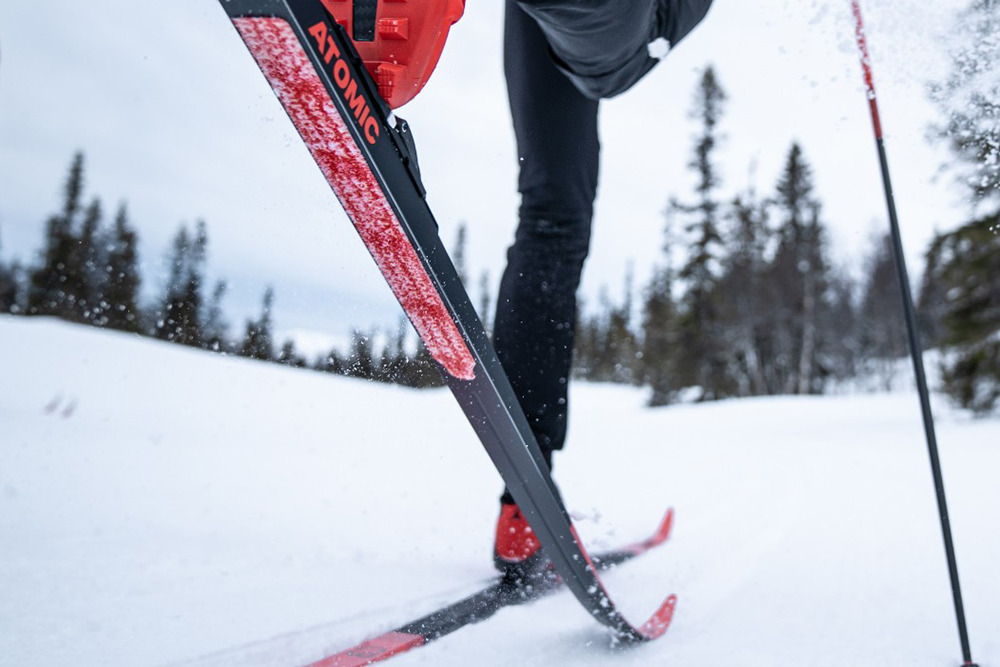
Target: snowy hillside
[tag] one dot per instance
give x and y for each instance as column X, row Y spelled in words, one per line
column 163, row 506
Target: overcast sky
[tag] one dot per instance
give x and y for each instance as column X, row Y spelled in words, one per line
column 174, row 117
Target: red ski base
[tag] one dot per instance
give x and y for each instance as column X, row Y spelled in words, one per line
column 278, row 53
column 373, row 650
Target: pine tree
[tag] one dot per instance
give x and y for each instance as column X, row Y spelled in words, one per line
column 361, row 358
column 969, row 100
column 257, row 341
column 216, row 327
column 171, row 305
column 842, row 348
column 8, row 286
column 883, row 326
column 969, row 272
column 659, row 338
column 384, row 367
column 742, row 301
column 963, row 265
column 659, row 326
column 587, row 342
column 195, row 279
column 331, row 362
column 179, row 318
column 121, row 282
column 621, row 341
column 606, row 349
column 47, row 293
column 811, row 369
column 289, row 357
column 424, row 372
column 9, row 293
column 84, row 274
column 392, row 364
column 798, row 278
column 73, row 190
column 931, row 303
column 698, row 329
column 601, row 363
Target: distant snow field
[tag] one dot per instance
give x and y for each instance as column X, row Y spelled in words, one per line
column 165, row 506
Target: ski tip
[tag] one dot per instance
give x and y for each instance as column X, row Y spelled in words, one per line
column 660, row 621
column 656, row 539
column 663, row 531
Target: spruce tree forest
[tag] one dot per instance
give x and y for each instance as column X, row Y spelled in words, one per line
column 746, row 300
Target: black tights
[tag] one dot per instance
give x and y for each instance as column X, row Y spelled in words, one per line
column 557, row 147
column 555, row 123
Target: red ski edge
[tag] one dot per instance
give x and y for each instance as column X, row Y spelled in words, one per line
column 373, row 650
column 275, row 47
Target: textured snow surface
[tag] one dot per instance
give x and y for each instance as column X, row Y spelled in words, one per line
column 165, row 506
column 286, row 66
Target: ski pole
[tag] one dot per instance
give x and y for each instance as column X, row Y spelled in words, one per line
column 911, row 328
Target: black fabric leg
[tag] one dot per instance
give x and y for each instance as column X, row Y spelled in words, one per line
column 558, row 150
column 547, row 45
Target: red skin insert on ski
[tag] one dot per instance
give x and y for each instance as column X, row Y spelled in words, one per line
column 287, row 67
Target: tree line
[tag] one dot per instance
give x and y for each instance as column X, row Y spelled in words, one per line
column 745, row 300
column 88, row 272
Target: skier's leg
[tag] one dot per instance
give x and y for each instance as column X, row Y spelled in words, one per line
column 603, row 46
column 556, row 131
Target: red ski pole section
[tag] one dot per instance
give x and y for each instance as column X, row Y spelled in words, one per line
column 275, row 47
column 373, row 650
column 866, row 65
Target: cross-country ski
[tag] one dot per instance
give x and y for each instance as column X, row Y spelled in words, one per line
column 329, row 95
column 504, row 591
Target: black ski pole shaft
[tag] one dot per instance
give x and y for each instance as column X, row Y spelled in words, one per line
column 916, row 351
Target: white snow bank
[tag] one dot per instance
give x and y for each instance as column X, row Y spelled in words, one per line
column 160, row 505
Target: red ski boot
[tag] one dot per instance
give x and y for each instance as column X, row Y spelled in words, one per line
column 517, row 552
column 400, row 41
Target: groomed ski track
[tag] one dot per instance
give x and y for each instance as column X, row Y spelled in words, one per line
column 196, row 510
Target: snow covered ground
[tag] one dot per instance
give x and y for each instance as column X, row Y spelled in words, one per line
column 163, row 506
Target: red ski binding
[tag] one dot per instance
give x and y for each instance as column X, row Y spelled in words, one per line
column 400, row 41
